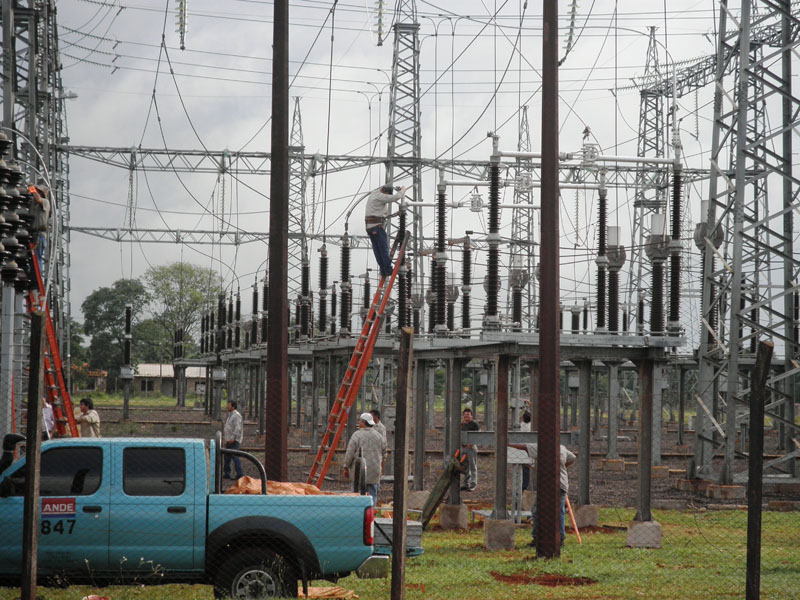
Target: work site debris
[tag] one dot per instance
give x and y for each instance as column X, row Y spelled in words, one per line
column 251, row 485
column 330, row 593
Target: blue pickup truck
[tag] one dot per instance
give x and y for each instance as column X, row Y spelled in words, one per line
column 151, row 510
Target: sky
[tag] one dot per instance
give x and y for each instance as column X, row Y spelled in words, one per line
column 480, row 61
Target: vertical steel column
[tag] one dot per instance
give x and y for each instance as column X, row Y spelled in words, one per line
column 585, row 414
column 548, row 463
column 613, row 409
column 420, row 392
column 646, row 368
column 501, row 439
column 452, row 431
column 275, row 449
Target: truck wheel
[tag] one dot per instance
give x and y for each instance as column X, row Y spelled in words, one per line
column 255, row 574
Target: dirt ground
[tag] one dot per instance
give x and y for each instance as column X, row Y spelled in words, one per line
column 608, row 488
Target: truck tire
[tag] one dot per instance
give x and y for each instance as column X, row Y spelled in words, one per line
column 255, row 574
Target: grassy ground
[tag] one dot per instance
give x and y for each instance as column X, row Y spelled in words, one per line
column 703, row 557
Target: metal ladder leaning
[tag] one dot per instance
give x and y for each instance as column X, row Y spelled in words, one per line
column 351, row 382
column 55, row 385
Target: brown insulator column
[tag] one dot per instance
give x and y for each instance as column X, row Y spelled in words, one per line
column 602, row 260
column 323, row 289
column 493, row 269
column 675, row 247
column 237, row 337
column 305, row 304
column 657, row 249
column 334, row 304
column 440, row 275
column 264, row 304
column 616, row 260
column 466, row 283
column 346, row 287
column 230, row 322
column 430, row 298
column 519, row 279
column 254, row 316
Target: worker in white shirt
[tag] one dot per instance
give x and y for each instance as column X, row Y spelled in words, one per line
column 375, row 216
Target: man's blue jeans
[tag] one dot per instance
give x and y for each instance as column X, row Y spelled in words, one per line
column 563, row 509
column 226, row 461
column 380, row 247
column 372, row 490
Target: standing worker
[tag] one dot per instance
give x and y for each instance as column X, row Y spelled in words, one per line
column 232, row 434
column 471, row 479
column 375, row 215
column 567, row 458
column 368, row 444
column 88, row 418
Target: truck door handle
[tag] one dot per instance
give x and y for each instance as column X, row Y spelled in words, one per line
column 176, row 509
column 92, row 509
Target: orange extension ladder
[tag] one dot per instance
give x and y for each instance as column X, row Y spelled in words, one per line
column 55, row 385
column 348, row 390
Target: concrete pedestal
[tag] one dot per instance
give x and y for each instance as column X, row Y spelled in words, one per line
column 498, row 534
column 614, row 464
column 644, row 534
column 659, row 472
column 726, row 492
column 587, row 515
column 453, row 516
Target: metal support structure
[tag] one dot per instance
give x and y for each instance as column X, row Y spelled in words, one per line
column 452, row 426
column 584, row 420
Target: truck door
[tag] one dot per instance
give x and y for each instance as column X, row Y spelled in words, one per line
column 73, row 518
column 152, row 517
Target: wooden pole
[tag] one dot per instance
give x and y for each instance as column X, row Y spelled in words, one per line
column 33, row 447
column 401, row 426
column 756, row 468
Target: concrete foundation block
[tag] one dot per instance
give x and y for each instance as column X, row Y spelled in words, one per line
column 498, row 534
column 725, row 492
column 659, row 472
column 613, row 464
column 691, row 485
column 644, row 534
column 681, row 473
column 631, row 465
column 416, row 500
column 453, row 516
column 587, row 515
column 528, row 498
column 668, row 504
column 783, row 505
column 788, row 488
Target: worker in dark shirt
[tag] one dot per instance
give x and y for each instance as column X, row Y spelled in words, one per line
column 471, row 476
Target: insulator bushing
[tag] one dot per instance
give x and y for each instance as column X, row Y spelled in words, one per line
column 575, row 321
column 323, row 289
column 516, row 309
column 494, row 250
column 345, row 303
column 657, row 299
column 640, row 315
column 297, row 319
column 613, row 302
column 366, row 299
column 230, row 323
column 416, row 323
column 238, row 326
column 675, row 257
column 334, row 300
column 220, row 323
column 466, row 282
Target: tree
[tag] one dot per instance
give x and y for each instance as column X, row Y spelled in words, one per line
column 104, row 320
column 149, row 344
column 180, row 292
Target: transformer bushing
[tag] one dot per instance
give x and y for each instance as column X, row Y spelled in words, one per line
column 346, row 287
column 323, row 288
column 575, row 312
column 264, row 306
column 615, row 256
column 519, row 279
column 430, row 298
column 601, row 260
column 452, row 296
column 229, row 323
column 305, row 276
column 238, row 325
column 254, row 316
column 334, row 304
column 585, row 314
column 366, row 298
column 673, row 326
column 440, row 270
column 466, row 284
column 203, row 321
column 210, row 333
column 492, row 320
column 657, row 250
column 417, row 301
column 220, row 326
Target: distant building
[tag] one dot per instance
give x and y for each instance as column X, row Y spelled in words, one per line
column 96, row 381
column 152, row 379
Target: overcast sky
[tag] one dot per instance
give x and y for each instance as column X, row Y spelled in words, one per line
column 134, row 91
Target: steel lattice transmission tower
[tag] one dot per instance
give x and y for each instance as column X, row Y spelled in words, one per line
column 757, row 232
column 404, row 137
column 650, row 183
column 34, row 118
column 523, row 255
column 298, row 248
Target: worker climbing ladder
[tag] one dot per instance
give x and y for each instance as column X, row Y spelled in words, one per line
column 351, row 382
column 55, row 384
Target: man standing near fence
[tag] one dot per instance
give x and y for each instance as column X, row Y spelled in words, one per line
column 232, row 435
column 370, row 446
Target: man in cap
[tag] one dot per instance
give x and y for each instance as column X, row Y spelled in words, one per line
column 367, row 444
column 374, row 217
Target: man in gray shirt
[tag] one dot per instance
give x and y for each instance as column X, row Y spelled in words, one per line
column 232, row 435
column 368, row 444
column 375, row 215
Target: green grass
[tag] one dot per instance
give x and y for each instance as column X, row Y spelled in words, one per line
column 703, row 558
column 116, row 400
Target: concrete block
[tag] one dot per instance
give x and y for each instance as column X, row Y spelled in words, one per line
column 528, row 498
column 613, row 464
column 790, row 489
column 644, row 534
column 631, row 466
column 659, row 472
column 783, row 505
column 454, row 516
column 691, row 485
column 725, row 492
column 678, row 473
column 668, row 504
column 587, row 515
column 498, row 534
column 416, row 500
